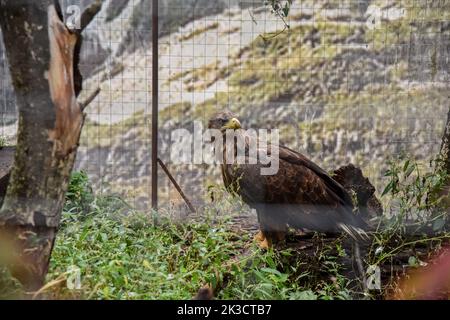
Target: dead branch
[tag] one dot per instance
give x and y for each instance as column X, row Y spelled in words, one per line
column 89, row 99
column 89, row 14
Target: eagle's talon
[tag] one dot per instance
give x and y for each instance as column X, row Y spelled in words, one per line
column 265, row 244
column 259, row 236
column 262, row 241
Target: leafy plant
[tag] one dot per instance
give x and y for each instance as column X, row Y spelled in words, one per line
column 3, row 142
column 280, row 8
column 411, row 187
column 415, row 219
column 79, row 193
column 127, row 257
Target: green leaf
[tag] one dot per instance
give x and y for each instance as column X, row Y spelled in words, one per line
column 303, row 295
column 272, row 271
column 409, row 171
column 271, row 262
column 438, row 224
column 412, row 261
column 286, row 10
column 406, row 165
column 388, row 188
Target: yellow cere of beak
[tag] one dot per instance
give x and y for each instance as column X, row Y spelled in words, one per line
column 232, row 124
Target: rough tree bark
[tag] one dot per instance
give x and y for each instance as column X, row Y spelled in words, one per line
column 40, row 51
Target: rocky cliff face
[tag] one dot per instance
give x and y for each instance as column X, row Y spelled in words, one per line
column 124, row 26
column 350, row 81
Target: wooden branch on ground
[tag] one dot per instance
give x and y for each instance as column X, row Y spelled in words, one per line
column 177, row 186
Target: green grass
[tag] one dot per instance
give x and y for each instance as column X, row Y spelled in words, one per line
column 126, row 257
column 122, row 255
column 129, row 258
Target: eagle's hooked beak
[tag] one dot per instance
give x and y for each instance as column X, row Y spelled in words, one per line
column 232, row 124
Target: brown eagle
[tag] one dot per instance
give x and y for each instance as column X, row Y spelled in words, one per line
column 300, row 194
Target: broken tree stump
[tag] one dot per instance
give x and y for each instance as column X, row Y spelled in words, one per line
column 353, row 180
column 308, row 246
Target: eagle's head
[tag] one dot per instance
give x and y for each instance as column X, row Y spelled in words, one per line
column 223, row 121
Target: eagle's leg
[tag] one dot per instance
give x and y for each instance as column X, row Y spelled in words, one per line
column 262, row 241
column 272, row 230
column 266, row 239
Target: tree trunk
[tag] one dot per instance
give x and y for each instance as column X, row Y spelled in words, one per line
column 40, row 52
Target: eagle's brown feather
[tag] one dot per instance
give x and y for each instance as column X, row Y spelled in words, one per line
column 300, row 194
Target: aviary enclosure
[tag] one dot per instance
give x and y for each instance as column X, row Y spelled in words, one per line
column 359, row 87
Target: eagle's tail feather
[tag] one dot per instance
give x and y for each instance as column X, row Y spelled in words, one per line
column 357, row 234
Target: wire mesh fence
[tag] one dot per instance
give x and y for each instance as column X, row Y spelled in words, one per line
column 357, row 82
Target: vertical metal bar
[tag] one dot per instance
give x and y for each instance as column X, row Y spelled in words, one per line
column 155, row 104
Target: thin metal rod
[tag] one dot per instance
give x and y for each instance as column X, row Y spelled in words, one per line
column 177, row 186
column 155, row 104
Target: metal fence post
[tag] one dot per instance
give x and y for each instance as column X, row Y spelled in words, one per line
column 155, row 90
